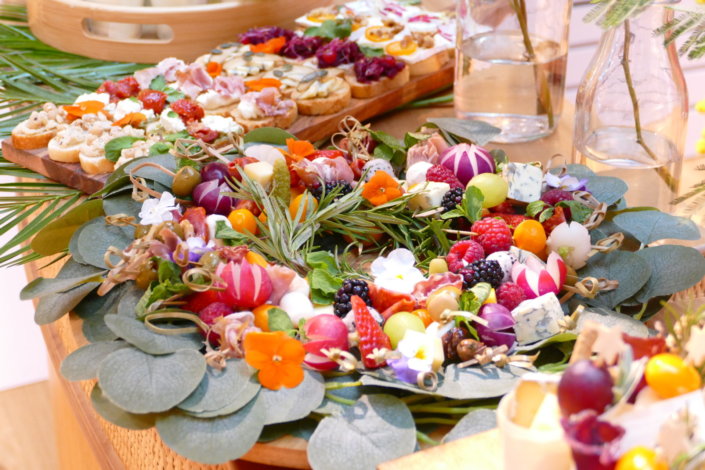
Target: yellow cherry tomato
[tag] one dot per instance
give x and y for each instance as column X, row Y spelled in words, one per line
column 423, row 314
column 262, row 316
column 311, row 204
column 641, row 458
column 669, row 376
column 530, row 236
column 253, row 257
column 492, row 298
column 401, row 48
column 373, row 34
column 243, row 221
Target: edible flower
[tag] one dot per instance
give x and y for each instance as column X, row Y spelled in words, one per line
column 278, row 358
column 262, row 83
column 198, row 247
column 420, row 353
column 537, row 278
column 396, row 272
column 572, row 242
column 565, row 182
column 381, row 188
column 299, row 149
column 273, row 46
column 214, row 69
column 84, row 107
column 156, row 211
column 131, row 119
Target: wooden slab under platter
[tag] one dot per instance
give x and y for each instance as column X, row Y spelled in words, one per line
column 311, row 128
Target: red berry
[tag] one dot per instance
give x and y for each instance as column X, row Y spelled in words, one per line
column 371, row 334
column 556, row 219
column 510, row 295
column 210, row 315
column 463, row 253
column 200, row 300
column 441, row 174
column 512, row 220
column 505, row 208
column 554, row 196
column 493, row 234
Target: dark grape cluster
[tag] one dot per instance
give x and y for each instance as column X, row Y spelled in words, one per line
column 482, row 270
column 341, row 304
column 452, row 198
column 345, row 188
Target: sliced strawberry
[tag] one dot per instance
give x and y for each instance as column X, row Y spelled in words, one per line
column 371, row 335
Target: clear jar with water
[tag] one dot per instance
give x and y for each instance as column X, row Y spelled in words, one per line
column 632, row 107
column 511, row 64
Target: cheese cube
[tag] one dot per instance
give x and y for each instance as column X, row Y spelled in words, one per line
column 261, row 172
column 428, row 195
column 537, row 319
column 525, row 181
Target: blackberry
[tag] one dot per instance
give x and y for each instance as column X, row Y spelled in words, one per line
column 342, row 305
column 452, row 198
column 317, row 189
column 482, row 270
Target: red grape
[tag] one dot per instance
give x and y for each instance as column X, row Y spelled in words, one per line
column 585, row 386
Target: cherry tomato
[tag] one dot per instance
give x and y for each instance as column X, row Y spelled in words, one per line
column 641, row 458
column 310, row 207
column 253, row 257
column 530, row 236
column 669, row 376
column 243, row 221
column 153, row 99
column 188, row 110
column 262, row 316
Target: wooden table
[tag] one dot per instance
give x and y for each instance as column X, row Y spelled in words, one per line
column 87, row 442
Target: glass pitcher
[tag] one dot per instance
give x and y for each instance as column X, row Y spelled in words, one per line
column 510, row 64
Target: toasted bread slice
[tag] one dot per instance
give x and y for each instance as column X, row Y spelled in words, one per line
column 94, row 165
column 429, row 65
column 368, row 90
column 22, row 139
column 65, row 154
column 338, row 99
column 283, row 121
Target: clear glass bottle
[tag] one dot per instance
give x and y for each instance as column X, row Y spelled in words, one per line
column 510, row 64
column 632, row 108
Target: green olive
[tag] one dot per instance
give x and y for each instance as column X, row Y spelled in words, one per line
column 211, row 260
column 141, row 231
column 185, row 180
column 175, row 227
column 146, row 277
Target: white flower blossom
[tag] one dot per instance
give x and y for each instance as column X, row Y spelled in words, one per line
column 396, row 271
column 156, row 211
column 424, row 351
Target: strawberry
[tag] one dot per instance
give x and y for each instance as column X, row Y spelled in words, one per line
column 556, row 219
column 512, row 220
column 371, row 334
column 505, row 208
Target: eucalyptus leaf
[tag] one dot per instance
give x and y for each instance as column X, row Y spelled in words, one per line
column 472, row 423
column 302, row 429
column 609, row 318
column 651, row 226
column 93, row 309
column 153, row 174
column 328, row 406
column 42, row 286
column 629, row 269
column 576, row 170
column 220, row 388
column 136, row 333
column 141, row 383
column 213, row 440
column 128, row 302
column 290, row 404
column 116, row 415
column 607, row 189
column 122, row 203
column 54, row 306
column 55, row 236
column 73, row 245
column 488, row 381
column 558, row 338
column 673, row 268
column 83, row 363
column 377, row 429
column 95, row 239
column 478, row 132
column 268, row 135
column 385, row 377
column 248, row 392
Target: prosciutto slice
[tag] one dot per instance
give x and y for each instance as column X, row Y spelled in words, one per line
column 231, row 86
column 194, row 80
column 168, row 68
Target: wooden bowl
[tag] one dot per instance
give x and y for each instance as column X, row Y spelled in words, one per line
column 195, row 30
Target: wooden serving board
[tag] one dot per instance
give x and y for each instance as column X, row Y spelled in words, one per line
column 311, row 128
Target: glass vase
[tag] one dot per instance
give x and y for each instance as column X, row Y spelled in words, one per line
column 510, row 64
column 632, row 109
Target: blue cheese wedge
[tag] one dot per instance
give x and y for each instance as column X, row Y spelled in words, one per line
column 537, row 319
column 428, row 195
column 525, row 181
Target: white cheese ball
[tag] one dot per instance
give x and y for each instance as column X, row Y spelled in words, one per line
column 298, row 306
column 417, row 173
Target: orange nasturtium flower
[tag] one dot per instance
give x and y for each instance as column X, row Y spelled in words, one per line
column 277, row 356
column 84, row 107
column 381, row 188
column 273, row 46
column 214, row 69
column 299, row 149
column 262, row 83
column 131, row 119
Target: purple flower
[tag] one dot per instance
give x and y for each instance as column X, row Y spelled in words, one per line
column 594, row 443
column 198, row 247
column 565, row 182
column 402, row 370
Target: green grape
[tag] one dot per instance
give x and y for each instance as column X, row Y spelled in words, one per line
column 398, row 324
column 493, row 187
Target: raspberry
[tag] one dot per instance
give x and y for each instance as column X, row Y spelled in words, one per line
column 493, row 234
column 510, row 295
column 554, row 196
column 441, row 174
column 342, row 305
column 210, row 316
column 370, row 333
column 463, row 253
column 505, row 208
column 451, row 199
column 512, row 220
column 556, row 219
column 482, row 271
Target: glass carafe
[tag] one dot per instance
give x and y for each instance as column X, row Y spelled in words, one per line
column 632, row 108
column 510, row 64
